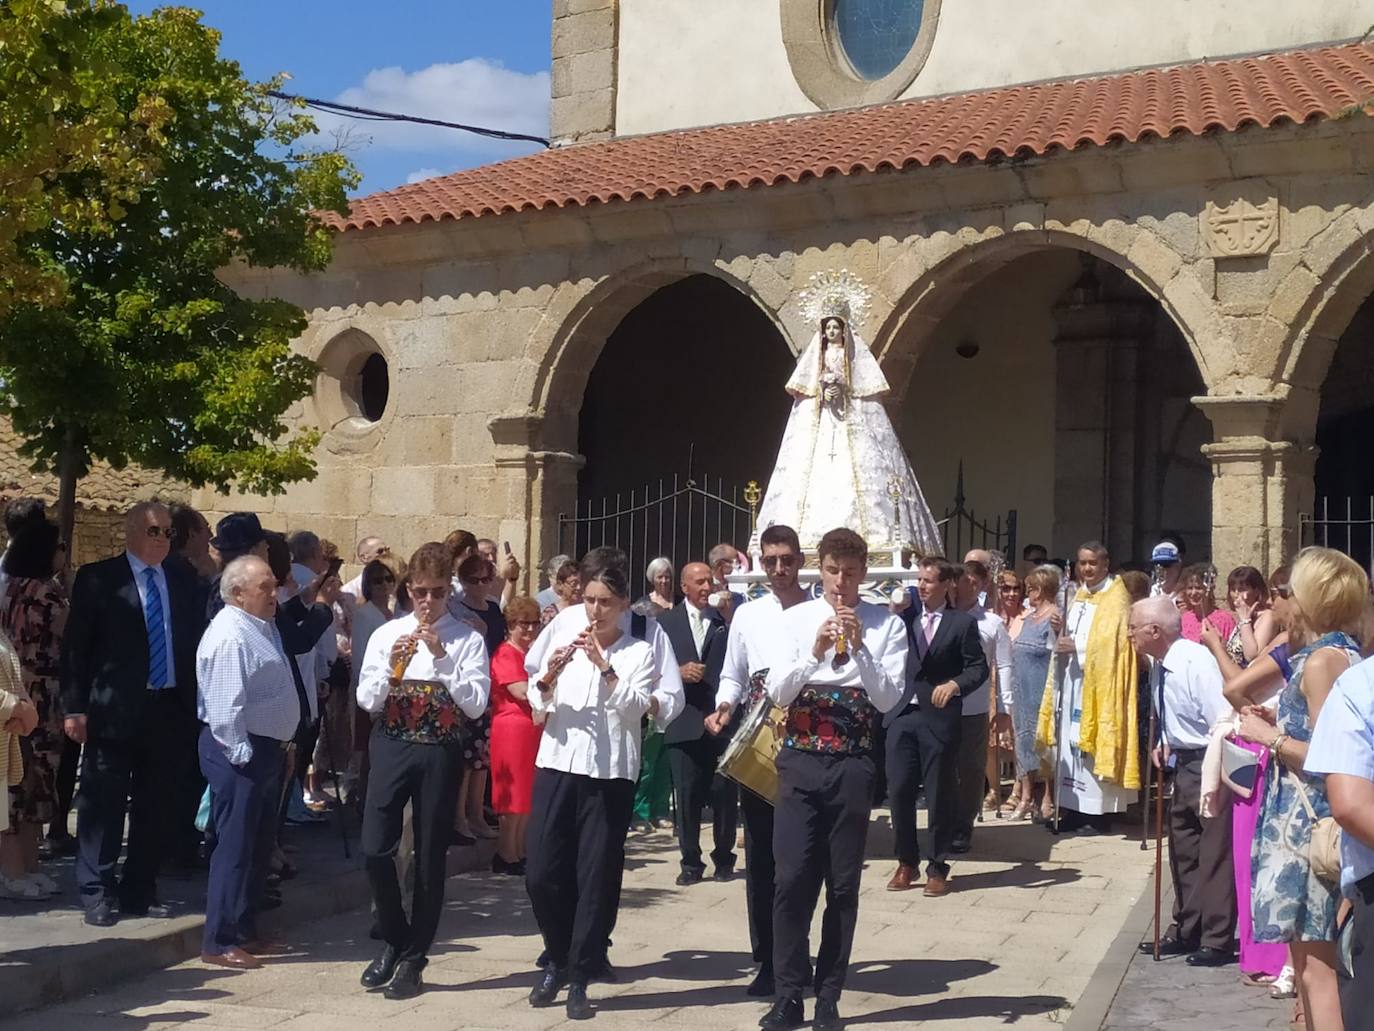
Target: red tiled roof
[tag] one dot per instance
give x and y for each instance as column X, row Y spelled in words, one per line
column 1016, row 121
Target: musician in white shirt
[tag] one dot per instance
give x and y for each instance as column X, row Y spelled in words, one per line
column 593, row 693
column 757, row 642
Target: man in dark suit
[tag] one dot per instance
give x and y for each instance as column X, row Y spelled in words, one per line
column 128, row 676
column 946, row 662
column 698, row 635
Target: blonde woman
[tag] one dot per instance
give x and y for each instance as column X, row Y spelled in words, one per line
column 1330, row 594
column 18, row 717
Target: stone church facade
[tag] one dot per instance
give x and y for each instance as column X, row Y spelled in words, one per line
column 1115, row 298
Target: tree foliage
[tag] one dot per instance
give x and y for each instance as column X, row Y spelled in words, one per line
column 147, row 356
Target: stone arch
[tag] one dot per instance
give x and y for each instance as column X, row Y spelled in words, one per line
column 933, row 287
column 579, row 327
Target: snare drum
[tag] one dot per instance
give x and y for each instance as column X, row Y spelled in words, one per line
column 750, row 759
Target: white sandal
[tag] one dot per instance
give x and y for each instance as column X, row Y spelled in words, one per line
column 21, row 890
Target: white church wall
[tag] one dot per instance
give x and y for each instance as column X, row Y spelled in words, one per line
column 714, row 61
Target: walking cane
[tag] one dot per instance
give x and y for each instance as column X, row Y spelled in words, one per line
column 1145, row 802
column 1159, row 841
column 333, row 764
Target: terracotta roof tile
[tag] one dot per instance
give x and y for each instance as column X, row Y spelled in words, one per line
column 1016, row 121
column 103, row 488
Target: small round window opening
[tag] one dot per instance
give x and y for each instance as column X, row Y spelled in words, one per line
column 374, row 387
column 876, row 35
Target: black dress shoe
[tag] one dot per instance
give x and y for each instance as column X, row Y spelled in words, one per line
column 154, row 911
column 101, row 915
column 578, row 1006
column 461, row 839
column 688, row 877
column 784, row 1015
column 543, row 960
column 405, row 983
column 723, row 873
column 1209, row 957
column 546, row 990
column 761, row 987
column 827, row 1016
column 1167, row 947
column 381, row 969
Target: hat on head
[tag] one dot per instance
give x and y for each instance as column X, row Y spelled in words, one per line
column 238, row 531
column 1165, row 553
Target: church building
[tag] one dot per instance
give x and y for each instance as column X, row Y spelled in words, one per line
column 1119, row 257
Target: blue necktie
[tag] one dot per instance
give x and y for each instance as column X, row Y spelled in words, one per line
column 157, row 633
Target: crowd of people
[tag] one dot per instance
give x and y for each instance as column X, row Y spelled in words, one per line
column 209, row 685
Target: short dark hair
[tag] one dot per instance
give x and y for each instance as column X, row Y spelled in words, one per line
column 1096, row 547
column 32, row 553
column 474, row 566
column 432, row 559
column 1029, row 548
column 780, row 533
column 304, row 545
column 945, row 569
column 24, row 510
column 613, row 578
column 185, row 521
column 604, row 557
column 842, row 542
column 279, row 556
column 375, row 572
column 1247, row 578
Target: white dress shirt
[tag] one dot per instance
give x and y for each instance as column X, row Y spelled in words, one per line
column 1192, row 691
column 878, row 667
column 592, row 723
column 992, row 633
column 243, row 684
column 462, row 669
column 1343, row 742
column 160, row 576
column 757, row 641
column 667, row 685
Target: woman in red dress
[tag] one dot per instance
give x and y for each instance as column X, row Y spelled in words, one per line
column 514, row 736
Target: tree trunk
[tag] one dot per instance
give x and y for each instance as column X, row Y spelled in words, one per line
column 67, row 466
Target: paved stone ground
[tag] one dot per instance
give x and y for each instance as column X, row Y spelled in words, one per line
column 1016, row 944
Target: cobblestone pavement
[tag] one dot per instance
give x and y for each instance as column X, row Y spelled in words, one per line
column 1015, row 944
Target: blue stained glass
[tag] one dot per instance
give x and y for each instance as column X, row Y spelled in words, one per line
column 876, row 35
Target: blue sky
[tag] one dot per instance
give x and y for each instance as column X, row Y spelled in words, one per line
column 480, row 63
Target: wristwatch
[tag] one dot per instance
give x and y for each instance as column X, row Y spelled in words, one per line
column 609, row 673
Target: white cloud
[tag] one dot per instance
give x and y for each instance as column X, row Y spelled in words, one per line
column 421, row 174
column 474, row 92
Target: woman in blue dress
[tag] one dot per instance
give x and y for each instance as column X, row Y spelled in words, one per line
column 1291, row 903
column 1032, row 648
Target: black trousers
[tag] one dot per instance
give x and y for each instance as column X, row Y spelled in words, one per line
column 820, row 826
column 138, row 777
column 973, row 776
column 574, row 855
column 426, row 777
column 65, row 786
column 695, row 783
column 1200, row 864
column 759, row 874
column 1357, row 991
column 925, row 752
column 243, row 801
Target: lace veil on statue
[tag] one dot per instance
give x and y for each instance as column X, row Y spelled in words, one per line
column 837, row 295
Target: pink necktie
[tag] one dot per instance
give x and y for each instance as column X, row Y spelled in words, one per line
column 930, row 626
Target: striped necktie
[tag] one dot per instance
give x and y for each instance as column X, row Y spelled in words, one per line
column 157, row 633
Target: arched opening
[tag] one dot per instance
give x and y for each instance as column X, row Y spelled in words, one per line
column 1063, row 390
column 1343, row 516
column 688, row 384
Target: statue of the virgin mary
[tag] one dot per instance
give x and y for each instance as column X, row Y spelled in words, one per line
column 841, row 463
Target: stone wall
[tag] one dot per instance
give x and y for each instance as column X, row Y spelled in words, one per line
column 491, row 326
column 584, row 70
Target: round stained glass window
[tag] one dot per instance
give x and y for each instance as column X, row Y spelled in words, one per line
column 877, row 35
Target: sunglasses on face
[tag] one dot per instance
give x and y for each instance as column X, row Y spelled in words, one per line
column 165, row 532
column 773, row 561
column 1283, row 591
column 428, row 592
column 528, row 624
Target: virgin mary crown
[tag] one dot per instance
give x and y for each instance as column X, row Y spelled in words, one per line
column 835, row 295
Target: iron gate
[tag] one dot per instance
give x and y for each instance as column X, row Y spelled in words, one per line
column 960, row 529
column 1346, row 524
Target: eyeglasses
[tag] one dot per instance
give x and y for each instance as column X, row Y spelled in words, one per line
column 786, row 561
column 165, row 532
column 527, row 624
column 1283, row 590
column 428, row 592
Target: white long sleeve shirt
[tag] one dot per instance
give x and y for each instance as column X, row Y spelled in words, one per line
column 243, row 683
column 592, row 723
column 667, row 683
column 992, row 633
column 757, row 641
column 879, row 667
column 1191, row 685
column 463, row 669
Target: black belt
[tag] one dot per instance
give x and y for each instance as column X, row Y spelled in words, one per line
column 1188, row 755
column 268, row 742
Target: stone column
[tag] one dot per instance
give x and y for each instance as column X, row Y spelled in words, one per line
column 1260, row 484
column 537, row 486
column 584, row 70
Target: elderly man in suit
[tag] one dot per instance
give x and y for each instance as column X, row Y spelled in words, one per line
column 947, row 663
column 128, row 675
column 698, row 635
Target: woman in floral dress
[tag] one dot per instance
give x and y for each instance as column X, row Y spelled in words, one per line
column 1290, row 903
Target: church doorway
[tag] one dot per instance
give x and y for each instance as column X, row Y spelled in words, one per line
column 1064, row 391
column 687, row 389
column 1343, row 516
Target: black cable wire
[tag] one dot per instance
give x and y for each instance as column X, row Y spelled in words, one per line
column 367, row 114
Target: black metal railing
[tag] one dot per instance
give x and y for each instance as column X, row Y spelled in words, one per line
column 1346, row 524
column 961, row 529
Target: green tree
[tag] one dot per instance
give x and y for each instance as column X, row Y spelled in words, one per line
column 149, row 357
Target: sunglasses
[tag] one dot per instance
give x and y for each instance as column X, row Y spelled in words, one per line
column 428, row 592
column 773, row 561
column 528, row 624
column 1283, row 590
column 1009, row 587
column 165, row 532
